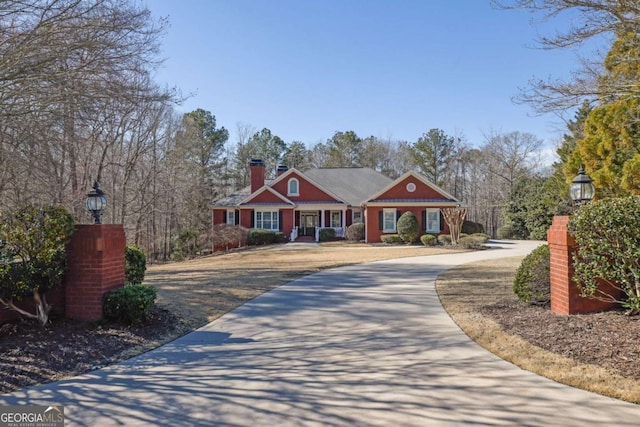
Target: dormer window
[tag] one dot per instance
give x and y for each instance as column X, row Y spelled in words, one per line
column 293, row 187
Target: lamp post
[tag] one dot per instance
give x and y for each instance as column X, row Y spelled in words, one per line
column 582, row 189
column 96, row 202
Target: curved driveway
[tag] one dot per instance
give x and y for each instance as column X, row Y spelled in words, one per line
column 364, row 345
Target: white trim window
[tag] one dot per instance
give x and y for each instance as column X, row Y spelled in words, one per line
column 231, row 216
column 356, row 216
column 389, row 220
column 336, row 219
column 267, row 220
column 293, row 187
column 433, row 221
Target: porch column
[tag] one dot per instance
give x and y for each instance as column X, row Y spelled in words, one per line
column 322, row 219
column 344, row 222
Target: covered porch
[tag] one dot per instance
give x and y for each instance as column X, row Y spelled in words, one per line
column 310, row 219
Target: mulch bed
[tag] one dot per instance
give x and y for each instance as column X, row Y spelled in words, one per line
column 609, row 339
column 32, row 354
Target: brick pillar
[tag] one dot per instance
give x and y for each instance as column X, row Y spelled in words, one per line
column 565, row 296
column 95, row 265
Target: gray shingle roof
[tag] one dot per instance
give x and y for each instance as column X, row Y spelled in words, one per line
column 354, row 185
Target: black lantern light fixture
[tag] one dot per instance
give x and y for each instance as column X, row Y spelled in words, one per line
column 582, row 189
column 96, row 202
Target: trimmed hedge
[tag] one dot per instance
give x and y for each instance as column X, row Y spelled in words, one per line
column 261, row 236
column 429, row 240
column 472, row 242
column 532, row 283
column 355, row 232
column 327, row 234
column 130, row 304
column 408, row 227
column 444, row 239
column 470, row 227
column 392, row 239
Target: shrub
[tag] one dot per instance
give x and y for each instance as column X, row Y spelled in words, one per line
column 505, row 232
column 429, row 239
column 280, row 237
column 392, row 239
column 227, row 236
column 607, row 234
column 33, row 255
column 327, row 234
column 261, row 236
column 444, row 239
column 471, row 242
column 532, row 282
column 355, row 232
column 408, row 227
column 185, row 244
column 484, row 237
column 130, row 304
column 470, row 227
column 135, row 264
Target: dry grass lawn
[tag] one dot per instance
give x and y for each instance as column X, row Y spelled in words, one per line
column 201, row 290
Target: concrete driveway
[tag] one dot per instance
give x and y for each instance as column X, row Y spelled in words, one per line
column 365, row 345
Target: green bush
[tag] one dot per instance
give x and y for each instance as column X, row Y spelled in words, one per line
column 607, row 235
column 429, row 240
column 470, row 227
column 261, row 236
column 408, row 227
column 485, row 237
column 280, row 237
column 532, row 283
column 135, row 265
column 327, row 234
column 185, row 244
column 355, row 232
column 33, row 254
column 392, row 239
column 130, row 304
column 506, row 232
column 472, row 242
column 444, row 239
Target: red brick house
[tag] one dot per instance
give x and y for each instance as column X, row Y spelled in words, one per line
column 301, row 203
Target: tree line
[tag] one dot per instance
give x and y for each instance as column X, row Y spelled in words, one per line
column 79, row 104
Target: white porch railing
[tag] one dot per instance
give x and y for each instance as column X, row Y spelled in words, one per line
column 294, row 234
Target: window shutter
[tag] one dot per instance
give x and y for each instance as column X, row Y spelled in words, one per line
column 398, row 214
column 226, row 216
column 424, row 219
column 253, row 218
column 441, row 221
column 280, row 220
column 237, row 217
column 380, row 220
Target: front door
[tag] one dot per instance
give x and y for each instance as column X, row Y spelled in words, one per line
column 308, row 223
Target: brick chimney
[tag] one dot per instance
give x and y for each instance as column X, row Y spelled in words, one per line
column 257, row 174
column 282, row 169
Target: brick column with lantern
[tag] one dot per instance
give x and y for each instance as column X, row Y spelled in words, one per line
column 95, row 262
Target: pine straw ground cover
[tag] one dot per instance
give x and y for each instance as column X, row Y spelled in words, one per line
column 595, row 352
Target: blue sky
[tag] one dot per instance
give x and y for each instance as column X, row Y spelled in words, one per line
column 392, row 69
